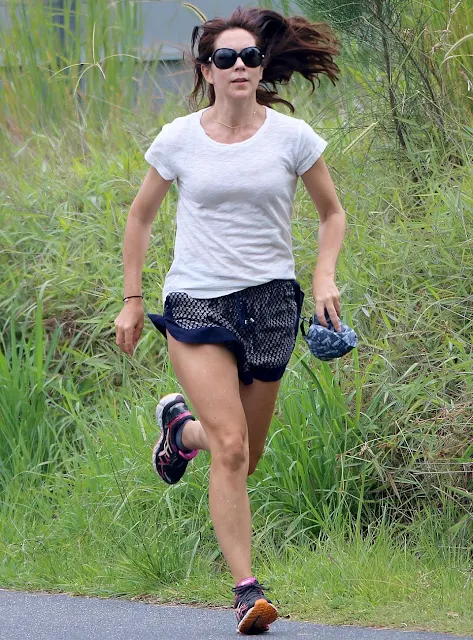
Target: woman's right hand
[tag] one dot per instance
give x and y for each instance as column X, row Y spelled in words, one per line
column 129, row 325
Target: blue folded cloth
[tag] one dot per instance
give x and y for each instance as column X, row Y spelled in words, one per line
column 327, row 344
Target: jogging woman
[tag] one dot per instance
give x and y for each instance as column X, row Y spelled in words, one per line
column 231, row 301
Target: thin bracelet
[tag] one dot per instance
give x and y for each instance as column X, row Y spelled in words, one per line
column 128, row 297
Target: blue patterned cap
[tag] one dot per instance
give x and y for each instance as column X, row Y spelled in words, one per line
column 327, row 344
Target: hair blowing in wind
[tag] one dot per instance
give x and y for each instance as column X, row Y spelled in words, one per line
column 291, row 45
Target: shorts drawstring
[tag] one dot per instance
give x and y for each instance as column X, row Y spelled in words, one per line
column 242, row 312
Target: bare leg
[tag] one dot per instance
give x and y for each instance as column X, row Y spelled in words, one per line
column 258, row 400
column 194, row 436
column 209, row 378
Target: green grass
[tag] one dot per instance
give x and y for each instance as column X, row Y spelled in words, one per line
column 367, row 582
column 103, row 525
column 377, row 442
column 363, row 501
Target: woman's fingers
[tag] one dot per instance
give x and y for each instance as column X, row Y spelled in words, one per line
column 119, row 335
column 327, row 299
column 338, row 307
column 320, row 313
column 333, row 310
column 334, row 317
column 127, row 338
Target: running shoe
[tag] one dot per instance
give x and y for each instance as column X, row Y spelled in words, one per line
column 254, row 612
column 169, row 462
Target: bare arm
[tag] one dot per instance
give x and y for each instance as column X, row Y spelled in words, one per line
column 138, row 229
column 321, row 189
column 130, row 321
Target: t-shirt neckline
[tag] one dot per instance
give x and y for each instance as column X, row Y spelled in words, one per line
column 231, row 144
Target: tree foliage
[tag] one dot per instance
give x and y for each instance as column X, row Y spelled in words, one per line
column 342, row 15
column 404, row 44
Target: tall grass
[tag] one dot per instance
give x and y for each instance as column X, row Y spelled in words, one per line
column 84, row 67
column 413, row 60
column 455, row 42
column 372, row 430
column 29, row 440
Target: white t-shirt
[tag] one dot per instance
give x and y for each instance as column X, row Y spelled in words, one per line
column 235, row 202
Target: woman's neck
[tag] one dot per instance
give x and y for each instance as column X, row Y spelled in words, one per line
column 234, row 114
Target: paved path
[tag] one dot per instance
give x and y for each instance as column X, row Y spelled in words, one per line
column 39, row 616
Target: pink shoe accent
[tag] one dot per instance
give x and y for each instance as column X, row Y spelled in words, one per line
column 246, row 581
column 179, row 417
column 188, row 456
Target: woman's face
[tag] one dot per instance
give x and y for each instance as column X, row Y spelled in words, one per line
column 238, row 82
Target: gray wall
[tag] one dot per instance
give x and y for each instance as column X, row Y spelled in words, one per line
column 167, row 33
column 167, row 24
column 167, row 29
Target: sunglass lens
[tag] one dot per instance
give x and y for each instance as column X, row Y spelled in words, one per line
column 225, row 58
column 252, row 57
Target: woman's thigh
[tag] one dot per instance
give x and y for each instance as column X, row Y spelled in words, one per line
column 209, row 377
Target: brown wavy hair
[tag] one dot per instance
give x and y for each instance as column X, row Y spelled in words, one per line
column 291, row 45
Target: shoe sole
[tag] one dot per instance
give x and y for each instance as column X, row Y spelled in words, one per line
column 162, row 403
column 262, row 614
column 159, row 419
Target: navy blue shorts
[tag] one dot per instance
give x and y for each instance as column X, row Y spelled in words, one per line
column 258, row 325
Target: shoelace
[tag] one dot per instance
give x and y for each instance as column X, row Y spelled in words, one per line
column 167, row 449
column 248, row 591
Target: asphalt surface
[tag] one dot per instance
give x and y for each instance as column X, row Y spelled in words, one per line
column 39, row 616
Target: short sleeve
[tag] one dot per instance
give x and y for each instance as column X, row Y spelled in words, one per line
column 311, row 147
column 160, row 154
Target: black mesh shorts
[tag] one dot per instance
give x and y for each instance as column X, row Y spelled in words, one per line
column 258, row 325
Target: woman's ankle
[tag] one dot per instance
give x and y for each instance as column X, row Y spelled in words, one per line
column 180, row 444
column 193, row 436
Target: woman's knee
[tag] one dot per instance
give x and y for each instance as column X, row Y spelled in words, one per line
column 230, row 451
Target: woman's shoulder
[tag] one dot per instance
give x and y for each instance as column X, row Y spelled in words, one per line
column 286, row 120
column 290, row 127
column 181, row 123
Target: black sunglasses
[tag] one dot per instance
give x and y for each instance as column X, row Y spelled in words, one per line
column 226, row 58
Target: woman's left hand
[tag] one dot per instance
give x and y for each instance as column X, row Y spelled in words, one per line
column 326, row 296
